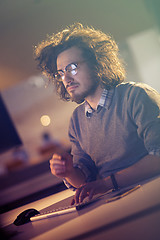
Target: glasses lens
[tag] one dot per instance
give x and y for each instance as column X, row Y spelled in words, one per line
column 72, row 68
column 58, row 75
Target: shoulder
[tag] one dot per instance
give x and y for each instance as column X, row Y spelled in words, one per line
column 132, row 89
column 133, row 95
column 133, row 85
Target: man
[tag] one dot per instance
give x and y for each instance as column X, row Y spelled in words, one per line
column 115, row 130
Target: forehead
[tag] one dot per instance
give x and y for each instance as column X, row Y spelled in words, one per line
column 68, row 56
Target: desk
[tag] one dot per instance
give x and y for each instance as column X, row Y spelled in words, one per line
column 27, row 185
column 134, row 217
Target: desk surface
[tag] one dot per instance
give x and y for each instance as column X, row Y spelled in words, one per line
column 136, row 216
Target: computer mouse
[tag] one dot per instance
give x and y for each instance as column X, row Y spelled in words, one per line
column 24, row 217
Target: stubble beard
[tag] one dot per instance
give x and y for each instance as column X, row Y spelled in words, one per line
column 79, row 98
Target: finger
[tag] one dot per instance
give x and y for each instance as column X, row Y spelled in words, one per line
column 76, row 197
column 56, row 166
column 83, row 194
column 57, row 169
column 91, row 194
column 73, row 202
column 58, row 156
column 59, row 172
column 57, row 161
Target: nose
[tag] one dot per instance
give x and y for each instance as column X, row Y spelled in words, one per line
column 67, row 78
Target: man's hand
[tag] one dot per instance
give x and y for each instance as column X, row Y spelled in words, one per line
column 61, row 165
column 90, row 189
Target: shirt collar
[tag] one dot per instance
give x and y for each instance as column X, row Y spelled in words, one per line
column 104, row 101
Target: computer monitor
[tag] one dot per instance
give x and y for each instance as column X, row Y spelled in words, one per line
column 9, row 136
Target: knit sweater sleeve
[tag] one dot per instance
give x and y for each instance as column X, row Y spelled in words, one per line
column 145, row 111
column 81, row 159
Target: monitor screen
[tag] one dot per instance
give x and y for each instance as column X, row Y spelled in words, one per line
column 9, row 137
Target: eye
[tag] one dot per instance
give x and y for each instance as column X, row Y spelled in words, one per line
column 71, row 67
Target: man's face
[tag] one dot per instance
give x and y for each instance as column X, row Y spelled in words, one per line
column 83, row 83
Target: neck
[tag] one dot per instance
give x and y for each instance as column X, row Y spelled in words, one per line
column 93, row 99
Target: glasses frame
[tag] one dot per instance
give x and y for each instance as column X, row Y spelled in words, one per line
column 59, row 74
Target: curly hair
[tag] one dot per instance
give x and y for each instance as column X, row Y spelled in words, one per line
column 100, row 48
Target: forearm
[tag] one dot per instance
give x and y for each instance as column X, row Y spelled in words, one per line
column 147, row 167
column 76, row 178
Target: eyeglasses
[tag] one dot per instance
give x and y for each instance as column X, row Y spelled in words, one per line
column 70, row 68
